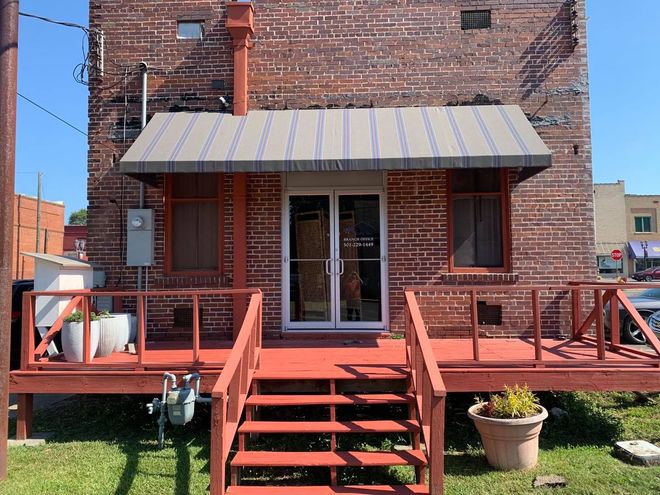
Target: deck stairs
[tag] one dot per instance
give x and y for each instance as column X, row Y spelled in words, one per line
column 346, row 390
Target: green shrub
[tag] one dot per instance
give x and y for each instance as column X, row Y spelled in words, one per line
column 513, row 403
column 77, row 317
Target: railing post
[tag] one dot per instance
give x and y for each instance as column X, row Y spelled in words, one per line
column 536, row 312
column 615, row 321
column 600, row 325
column 27, row 348
column 217, row 454
column 437, row 447
column 87, row 334
column 474, row 317
column 140, row 329
column 195, row 328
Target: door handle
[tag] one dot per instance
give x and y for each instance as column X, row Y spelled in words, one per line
column 327, row 266
column 341, row 266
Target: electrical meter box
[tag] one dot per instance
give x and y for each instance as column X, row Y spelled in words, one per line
column 140, row 237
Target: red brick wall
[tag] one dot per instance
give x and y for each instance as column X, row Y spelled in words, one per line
column 25, row 232
column 341, row 53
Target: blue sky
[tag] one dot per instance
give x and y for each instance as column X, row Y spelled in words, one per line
column 624, row 75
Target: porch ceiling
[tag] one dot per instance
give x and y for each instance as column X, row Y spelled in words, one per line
column 495, row 136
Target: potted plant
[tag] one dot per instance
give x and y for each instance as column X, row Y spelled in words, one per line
column 108, row 334
column 72, row 337
column 509, row 425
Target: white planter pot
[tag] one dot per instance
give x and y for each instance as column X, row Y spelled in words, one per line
column 133, row 332
column 72, row 340
column 123, row 329
column 108, row 335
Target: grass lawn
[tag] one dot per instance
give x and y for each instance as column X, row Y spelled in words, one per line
column 107, row 445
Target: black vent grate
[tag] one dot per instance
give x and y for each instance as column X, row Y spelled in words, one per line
column 475, row 19
column 488, row 314
column 183, row 317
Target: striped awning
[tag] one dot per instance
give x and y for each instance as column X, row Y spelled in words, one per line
column 338, row 139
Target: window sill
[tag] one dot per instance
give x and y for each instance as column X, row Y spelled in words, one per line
column 172, row 281
column 462, row 277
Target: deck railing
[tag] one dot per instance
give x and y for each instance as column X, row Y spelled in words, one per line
column 429, row 391
column 580, row 326
column 33, row 355
column 231, row 390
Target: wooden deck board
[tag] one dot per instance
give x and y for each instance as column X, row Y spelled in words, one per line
column 571, row 365
column 330, row 490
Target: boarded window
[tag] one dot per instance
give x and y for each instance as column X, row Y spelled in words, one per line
column 478, row 223
column 194, row 233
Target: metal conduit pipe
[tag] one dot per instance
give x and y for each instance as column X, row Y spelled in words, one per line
column 144, row 70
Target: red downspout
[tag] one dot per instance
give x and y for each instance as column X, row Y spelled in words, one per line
column 240, row 24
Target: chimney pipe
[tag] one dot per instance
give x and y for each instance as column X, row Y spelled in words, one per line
column 240, row 24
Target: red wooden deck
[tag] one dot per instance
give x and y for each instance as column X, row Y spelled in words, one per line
column 425, row 369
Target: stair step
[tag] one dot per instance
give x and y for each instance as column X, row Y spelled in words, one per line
column 330, row 490
column 355, row 373
column 383, row 426
column 334, row 400
column 328, row 459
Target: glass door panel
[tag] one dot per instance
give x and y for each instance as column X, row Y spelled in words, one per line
column 359, row 263
column 310, row 243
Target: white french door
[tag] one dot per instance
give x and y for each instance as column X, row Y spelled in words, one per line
column 334, row 262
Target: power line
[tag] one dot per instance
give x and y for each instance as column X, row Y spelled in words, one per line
column 52, row 114
column 54, row 21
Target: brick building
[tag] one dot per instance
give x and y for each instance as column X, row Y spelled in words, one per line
column 25, row 232
column 332, row 239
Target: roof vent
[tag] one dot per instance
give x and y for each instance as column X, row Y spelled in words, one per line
column 475, row 19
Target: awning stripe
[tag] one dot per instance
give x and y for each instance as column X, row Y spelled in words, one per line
column 430, row 135
column 156, row 138
column 177, row 149
column 516, row 135
column 465, row 155
column 489, row 138
column 291, row 141
column 498, row 136
column 201, row 158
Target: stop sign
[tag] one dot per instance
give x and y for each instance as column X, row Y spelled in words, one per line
column 616, row 255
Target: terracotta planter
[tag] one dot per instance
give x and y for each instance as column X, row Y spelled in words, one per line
column 72, row 340
column 509, row 443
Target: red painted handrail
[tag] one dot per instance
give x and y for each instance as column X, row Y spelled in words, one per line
column 429, row 390
column 231, row 390
column 54, row 329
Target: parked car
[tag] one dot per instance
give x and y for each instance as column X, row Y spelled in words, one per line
column 654, row 323
column 646, row 302
column 648, row 275
column 17, row 290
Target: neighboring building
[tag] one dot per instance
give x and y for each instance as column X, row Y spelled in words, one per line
column 75, row 241
column 387, row 144
column 611, row 228
column 628, row 222
column 642, row 213
column 25, row 232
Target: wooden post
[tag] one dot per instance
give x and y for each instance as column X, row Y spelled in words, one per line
column 240, row 248
column 437, row 447
column 140, row 329
column 575, row 316
column 600, row 325
column 87, row 335
column 195, row 328
column 536, row 311
column 24, row 417
column 474, row 316
column 27, row 345
column 615, row 321
column 217, row 454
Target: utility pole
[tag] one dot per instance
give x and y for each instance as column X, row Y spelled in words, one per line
column 38, row 243
column 8, row 88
